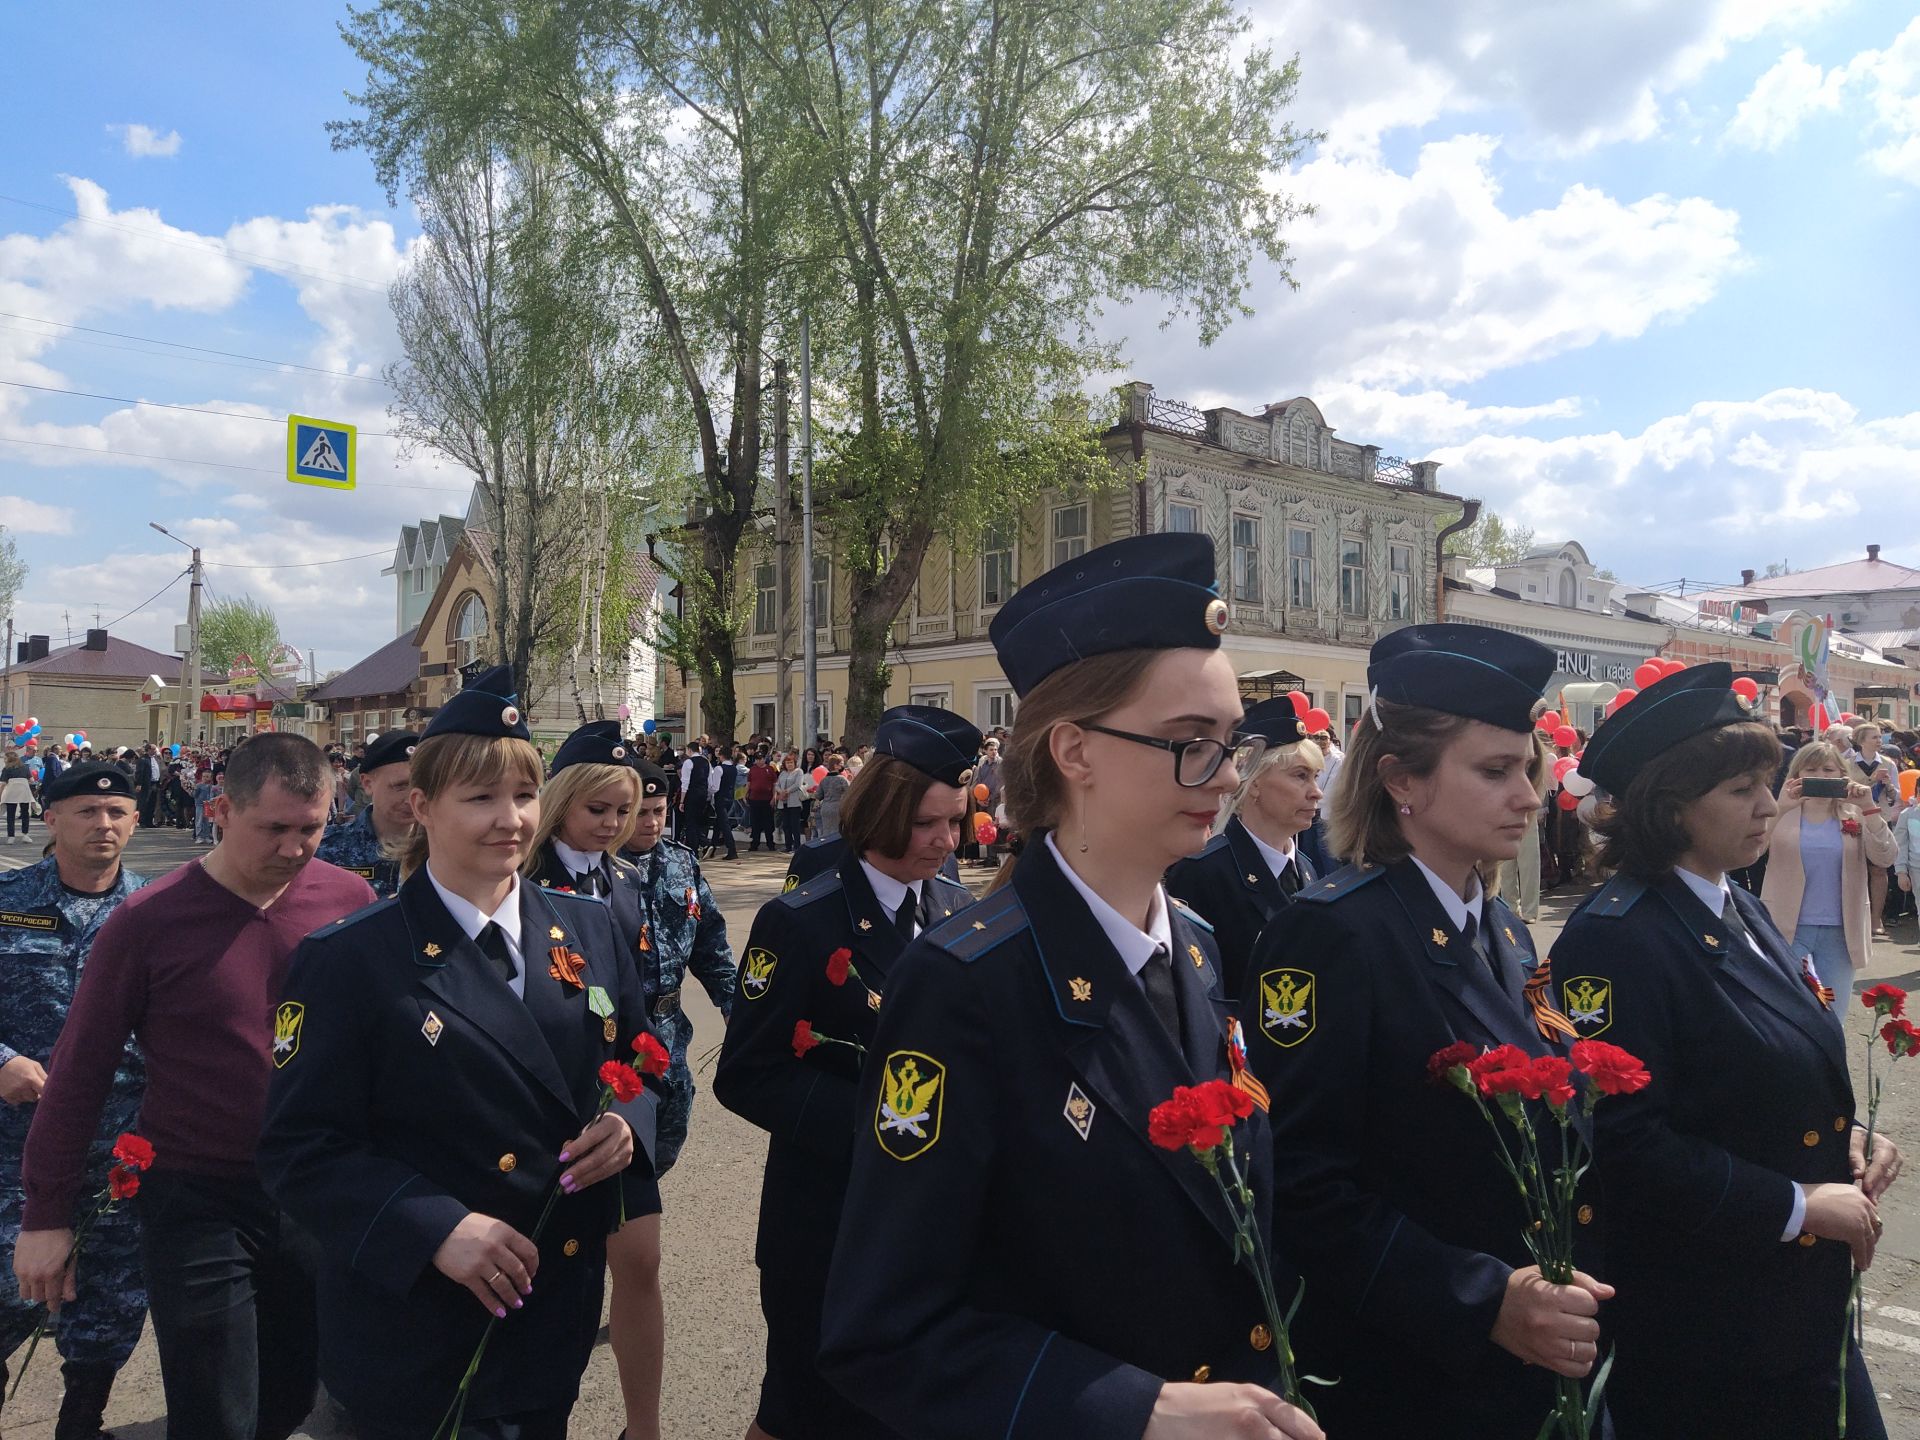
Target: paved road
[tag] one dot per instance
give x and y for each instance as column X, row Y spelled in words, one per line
column 712, row 1195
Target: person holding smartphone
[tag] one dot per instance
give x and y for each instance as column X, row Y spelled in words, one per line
column 1828, row 839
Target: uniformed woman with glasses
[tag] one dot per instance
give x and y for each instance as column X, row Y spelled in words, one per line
column 1389, row 1188
column 1017, row 1257
column 1739, row 1194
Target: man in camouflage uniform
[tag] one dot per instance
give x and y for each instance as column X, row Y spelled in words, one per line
column 361, row 843
column 49, row 915
column 682, row 930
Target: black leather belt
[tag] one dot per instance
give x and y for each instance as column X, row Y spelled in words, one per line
column 666, row 1004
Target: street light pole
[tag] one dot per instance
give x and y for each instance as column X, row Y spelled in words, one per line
column 190, row 682
column 810, row 705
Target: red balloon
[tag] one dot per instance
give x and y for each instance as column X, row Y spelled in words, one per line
column 1672, row 667
column 819, row 773
column 1549, row 721
column 1316, row 721
column 1569, row 802
column 1566, row 736
column 1619, row 701
column 1647, row 673
column 1747, row 689
column 1298, row 699
column 1564, row 767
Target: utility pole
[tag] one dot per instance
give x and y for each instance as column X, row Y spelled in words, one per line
column 783, row 561
column 190, row 682
column 6, row 686
column 808, row 620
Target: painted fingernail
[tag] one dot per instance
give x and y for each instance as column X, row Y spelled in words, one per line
column 517, row 1305
column 499, row 1314
column 565, row 1156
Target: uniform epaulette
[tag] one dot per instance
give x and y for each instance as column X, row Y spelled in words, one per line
column 366, row 913
column 1213, row 846
column 826, row 883
column 979, row 928
column 664, row 843
column 1343, row 881
column 1616, row 897
column 1190, row 913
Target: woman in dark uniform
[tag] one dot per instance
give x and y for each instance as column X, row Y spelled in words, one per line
column 824, row 955
column 1254, row 866
column 1017, row 1257
column 1390, row 1188
column 438, row 1057
column 1737, row 1194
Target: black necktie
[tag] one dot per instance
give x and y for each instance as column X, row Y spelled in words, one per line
column 492, row 941
column 1737, row 931
column 908, row 912
column 1289, row 878
column 591, row 883
column 1471, row 934
column 1157, row 980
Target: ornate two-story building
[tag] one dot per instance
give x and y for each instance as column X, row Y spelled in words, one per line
column 1323, row 544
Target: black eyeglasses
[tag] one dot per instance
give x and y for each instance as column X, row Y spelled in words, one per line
column 1195, row 762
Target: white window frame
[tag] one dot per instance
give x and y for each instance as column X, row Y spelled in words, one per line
column 1296, row 564
column 822, row 605
column 466, row 648
column 772, row 704
column 1063, row 546
column 1245, row 579
column 993, row 542
column 941, row 695
column 1399, row 583
column 1353, row 600
column 420, row 581
column 984, row 697
column 1189, row 508
column 823, row 718
column 766, row 597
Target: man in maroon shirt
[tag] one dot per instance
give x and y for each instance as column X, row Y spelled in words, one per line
column 192, row 968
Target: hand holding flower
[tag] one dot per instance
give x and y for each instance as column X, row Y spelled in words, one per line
column 1885, row 1168
column 1844, row 1213
column 1553, row 1326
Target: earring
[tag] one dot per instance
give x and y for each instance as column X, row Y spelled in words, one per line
column 1406, row 810
column 1083, row 840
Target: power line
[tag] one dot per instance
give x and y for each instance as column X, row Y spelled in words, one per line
column 298, row 564
column 150, row 599
column 180, row 345
column 165, row 405
column 97, row 450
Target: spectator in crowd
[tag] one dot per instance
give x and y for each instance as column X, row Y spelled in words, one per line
column 790, row 798
column 16, row 793
column 762, row 781
column 828, row 795
column 1881, row 772
column 205, row 792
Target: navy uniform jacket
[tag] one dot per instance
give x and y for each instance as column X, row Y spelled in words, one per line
column 1232, row 888
column 1750, row 1091
column 417, row 1089
column 1389, row 1188
column 666, row 919
column 1017, row 1258
column 353, row 845
column 816, row 857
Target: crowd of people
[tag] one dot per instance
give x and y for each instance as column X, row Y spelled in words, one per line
column 409, row 1046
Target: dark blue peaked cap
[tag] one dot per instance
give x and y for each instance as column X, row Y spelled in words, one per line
column 1274, row 721
column 653, row 780
column 933, row 741
column 1689, row 703
column 393, row 747
column 97, row 778
column 598, row 742
column 1147, row 592
column 1471, row 670
column 486, row 705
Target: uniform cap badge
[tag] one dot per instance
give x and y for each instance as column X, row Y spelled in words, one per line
column 105, row 782
column 510, row 715
column 1217, row 616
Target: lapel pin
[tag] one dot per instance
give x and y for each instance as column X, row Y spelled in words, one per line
column 1252, row 879
column 1079, row 1111
column 1199, row 960
column 866, row 925
column 1507, row 930
column 1710, row 939
column 1081, row 989
column 1439, row 937
column 432, row 951
column 556, row 933
column 431, row 1028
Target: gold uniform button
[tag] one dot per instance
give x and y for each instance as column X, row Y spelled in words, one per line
column 1839, row 1123
column 507, row 1163
column 1806, row 1239
column 1203, row 1374
column 1260, row 1338
column 1810, row 1139
column 1584, row 1215
column 572, row 1247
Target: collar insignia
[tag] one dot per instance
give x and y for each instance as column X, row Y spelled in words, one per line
column 432, row 951
column 1439, row 937
column 554, row 932
column 1082, row 989
column 866, row 925
column 1199, row 960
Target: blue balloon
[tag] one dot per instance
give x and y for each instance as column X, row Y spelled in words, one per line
column 176, row 749
column 647, row 727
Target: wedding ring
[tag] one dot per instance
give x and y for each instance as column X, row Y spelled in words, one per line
column 495, row 1276
column 1573, row 1349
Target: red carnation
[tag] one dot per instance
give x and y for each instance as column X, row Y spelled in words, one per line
column 134, row 1152
column 1901, row 1037
column 1849, row 827
column 1612, row 1070
column 654, row 1058
column 123, row 1183
column 1196, row 1118
column 1220, row 1103
column 1885, row 1000
column 1554, row 1076
column 838, row 964
column 623, row 1080
column 1504, row 1070
column 1442, row 1063
column 803, row 1037
column 1170, row 1124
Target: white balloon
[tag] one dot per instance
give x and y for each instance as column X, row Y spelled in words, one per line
column 1575, row 783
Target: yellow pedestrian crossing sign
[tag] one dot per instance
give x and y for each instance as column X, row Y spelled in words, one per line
column 320, row 452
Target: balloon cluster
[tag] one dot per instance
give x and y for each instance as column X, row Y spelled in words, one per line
column 984, row 830
column 75, row 740
column 1312, row 719
column 27, row 730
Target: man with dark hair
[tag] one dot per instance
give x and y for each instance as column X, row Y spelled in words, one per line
column 192, row 967
column 696, row 793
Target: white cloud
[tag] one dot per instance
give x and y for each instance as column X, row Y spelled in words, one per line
column 1795, row 89
column 31, row 517
column 1891, row 78
column 144, row 142
column 1782, row 100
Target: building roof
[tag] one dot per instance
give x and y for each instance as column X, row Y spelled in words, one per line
column 387, row 671
column 1848, row 577
column 418, row 542
column 120, row 660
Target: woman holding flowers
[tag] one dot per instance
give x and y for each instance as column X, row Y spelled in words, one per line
column 1023, row 1253
column 439, row 1118
column 1388, row 1189
column 1737, row 1191
column 817, row 964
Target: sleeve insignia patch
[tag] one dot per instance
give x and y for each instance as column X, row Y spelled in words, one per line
column 756, row 972
column 912, row 1098
column 287, row 1021
column 1079, row 1111
column 793, row 883
column 1588, row 1001
column 1286, row 1006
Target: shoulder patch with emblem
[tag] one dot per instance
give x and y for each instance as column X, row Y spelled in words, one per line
column 793, row 883
column 906, row 1120
column 1341, row 883
column 756, row 972
column 287, row 1020
column 1286, row 1006
column 1588, row 1003
column 826, row 883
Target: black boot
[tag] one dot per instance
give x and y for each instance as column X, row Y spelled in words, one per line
column 83, row 1408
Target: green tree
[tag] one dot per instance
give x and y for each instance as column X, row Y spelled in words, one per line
column 232, row 628
column 13, row 573
column 1491, row 541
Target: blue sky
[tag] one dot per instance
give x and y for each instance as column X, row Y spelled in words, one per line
column 1639, row 275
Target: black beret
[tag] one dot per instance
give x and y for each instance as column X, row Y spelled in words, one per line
column 598, row 742
column 1677, row 708
column 395, row 747
column 653, row 780
column 486, row 705
column 933, row 741
column 90, row 779
column 1274, row 721
column 1470, row 670
column 1147, row 592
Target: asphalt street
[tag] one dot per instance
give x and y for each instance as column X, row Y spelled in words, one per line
column 714, row 1331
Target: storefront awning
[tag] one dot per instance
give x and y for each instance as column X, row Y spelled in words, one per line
column 1880, row 692
column 229, row 704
